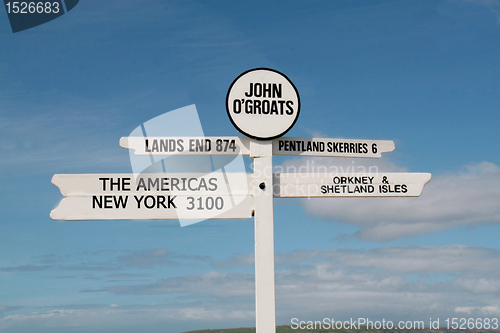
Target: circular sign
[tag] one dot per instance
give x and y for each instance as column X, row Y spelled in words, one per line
column 263, row 103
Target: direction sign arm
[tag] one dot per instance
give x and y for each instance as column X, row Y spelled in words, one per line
column 325, row 147
column 203, row 145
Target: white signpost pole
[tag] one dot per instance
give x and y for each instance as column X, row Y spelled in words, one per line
column 261, row 153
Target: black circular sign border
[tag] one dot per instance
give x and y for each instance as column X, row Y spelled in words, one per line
column 252, row 136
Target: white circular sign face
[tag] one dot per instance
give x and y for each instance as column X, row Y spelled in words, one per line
column 263, row 103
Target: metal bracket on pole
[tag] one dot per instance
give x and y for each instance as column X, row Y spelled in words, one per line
column 265, row 307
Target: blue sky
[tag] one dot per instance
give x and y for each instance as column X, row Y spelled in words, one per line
column 425, row 74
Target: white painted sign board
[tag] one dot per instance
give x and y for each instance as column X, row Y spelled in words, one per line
column 153, row 196
column 223, row 145
column 331, row 147
column 296, row 185
column 263, row 103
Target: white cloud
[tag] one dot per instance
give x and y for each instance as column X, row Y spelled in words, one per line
column 404, row 283
column 468, row 197
column 213, row 283
column 480, row 285
column 158, row 318
column 149, row 258
column 486, row 311
column 475, row 261
column 395, row 283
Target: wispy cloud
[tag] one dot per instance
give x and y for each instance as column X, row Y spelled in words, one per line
column 405, row 283
column 471, row 261
column 86, row 262
column 467, row 197
column 211, row 283
column 150, row 258
column 398, row 281
column 125, row 319
column 26, row 268
column 6, row 308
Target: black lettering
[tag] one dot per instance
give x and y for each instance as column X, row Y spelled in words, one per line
column 265, row 107
column 152, row 204
column 108, row 200
column 180, row 146
column 175, row 183
column 164, row 184
column 138, row 200
column 266, row 90
column 125, row 183
column 276, row 90
column 248, row 106
column 171, row 145
column 189, row 184
column 121, row 201
column 153, row 183
column 237, row 106
column 289, row 105
column 281, row 106
column 203, row 184
column 171, row 201
column 256, row 106
column 116, row 183
column 199, row 145
column 97, row 201
column 249, row 93
column 103, row 183
column 160, row 200
column 164, row 145
column 257, row 90
column 213, row 183
column 141, row 184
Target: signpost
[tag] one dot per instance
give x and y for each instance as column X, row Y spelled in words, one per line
column 263, row 104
